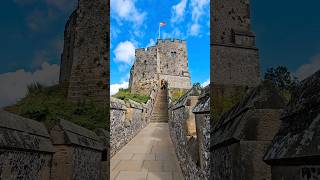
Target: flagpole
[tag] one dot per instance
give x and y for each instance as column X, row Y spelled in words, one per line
column 159, row 31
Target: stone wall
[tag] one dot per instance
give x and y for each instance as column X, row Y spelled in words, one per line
column 84, row 61
column 28, row 152
column 25, row 149
column 295, row 151
column 167, row 60
column 67, row 54
column 186, row 144
column 127, row 119
column 202, row 117
column 242, row 135
column 78, row 152
column 235, row 58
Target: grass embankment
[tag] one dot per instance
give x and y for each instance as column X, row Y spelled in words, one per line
column 48, row 104
column 125, row 94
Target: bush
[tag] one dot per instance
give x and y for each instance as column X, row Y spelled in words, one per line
column 49, row 104
column 125, row 94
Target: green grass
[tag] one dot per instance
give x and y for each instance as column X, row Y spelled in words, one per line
column 176, row 94
column 226, row 103
column 48, row 104
column 124, row 94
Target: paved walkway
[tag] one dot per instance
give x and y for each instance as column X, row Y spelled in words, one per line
column 148, row 156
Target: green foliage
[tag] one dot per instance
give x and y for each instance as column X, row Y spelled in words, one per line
column 125, row 95
column 49, row 104
column 281, row 78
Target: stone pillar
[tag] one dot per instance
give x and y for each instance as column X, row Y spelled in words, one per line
column 78, row 152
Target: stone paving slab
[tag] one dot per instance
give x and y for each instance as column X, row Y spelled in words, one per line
column 148, row 156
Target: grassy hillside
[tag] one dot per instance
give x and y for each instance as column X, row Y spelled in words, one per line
column 124, row 94
column 48, row 104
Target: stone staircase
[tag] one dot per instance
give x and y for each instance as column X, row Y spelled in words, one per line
column 160, row 110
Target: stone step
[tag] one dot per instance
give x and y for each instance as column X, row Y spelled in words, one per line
column 160, row 111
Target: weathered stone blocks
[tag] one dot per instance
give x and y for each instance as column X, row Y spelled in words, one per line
column 84, row 61
column 25, row 148
column 191, row 151
column 295, row 151
column 78, row 152
column 167, row 60
column 127, row 119
column 242, row 135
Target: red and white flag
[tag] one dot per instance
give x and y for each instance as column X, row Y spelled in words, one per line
column 162, row 24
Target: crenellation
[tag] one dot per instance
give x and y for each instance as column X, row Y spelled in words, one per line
column 167, row 60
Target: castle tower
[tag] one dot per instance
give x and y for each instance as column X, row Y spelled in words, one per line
column 167, row 60
column 234, row 56
column 84, row 60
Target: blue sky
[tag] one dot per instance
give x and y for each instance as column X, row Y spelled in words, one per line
column 134, row 24
column 31, row 33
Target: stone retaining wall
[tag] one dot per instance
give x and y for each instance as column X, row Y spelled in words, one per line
column 186, row 146
column 28, row 152
column 127, row 119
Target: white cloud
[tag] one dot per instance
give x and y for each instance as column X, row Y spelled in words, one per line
column 114, row 88
column 207, row 82
column 14, row 84
column 125, row 52
column 126, row 10
column 175, row 33
column 178, row 11
column 151, row 43
column 308, row 69
column 194, row 30
column 199, row 10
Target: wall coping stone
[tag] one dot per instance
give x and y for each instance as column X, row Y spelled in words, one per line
column 297, row 141
column 117, row 104
column 68, row 133
column 203, row 105
column 194, row 91
column 17, row 132
column 230, row 128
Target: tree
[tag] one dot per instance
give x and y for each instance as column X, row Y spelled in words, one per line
column 281, row 78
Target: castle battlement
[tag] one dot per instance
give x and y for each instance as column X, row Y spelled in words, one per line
column 144, row 50
column 167, row 59
column 171, row 40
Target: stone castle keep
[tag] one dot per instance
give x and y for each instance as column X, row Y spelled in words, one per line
column 234, row 56
column 84, row 61
column 167, row 60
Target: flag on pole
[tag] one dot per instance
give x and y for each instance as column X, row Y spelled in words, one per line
column 162, row 24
